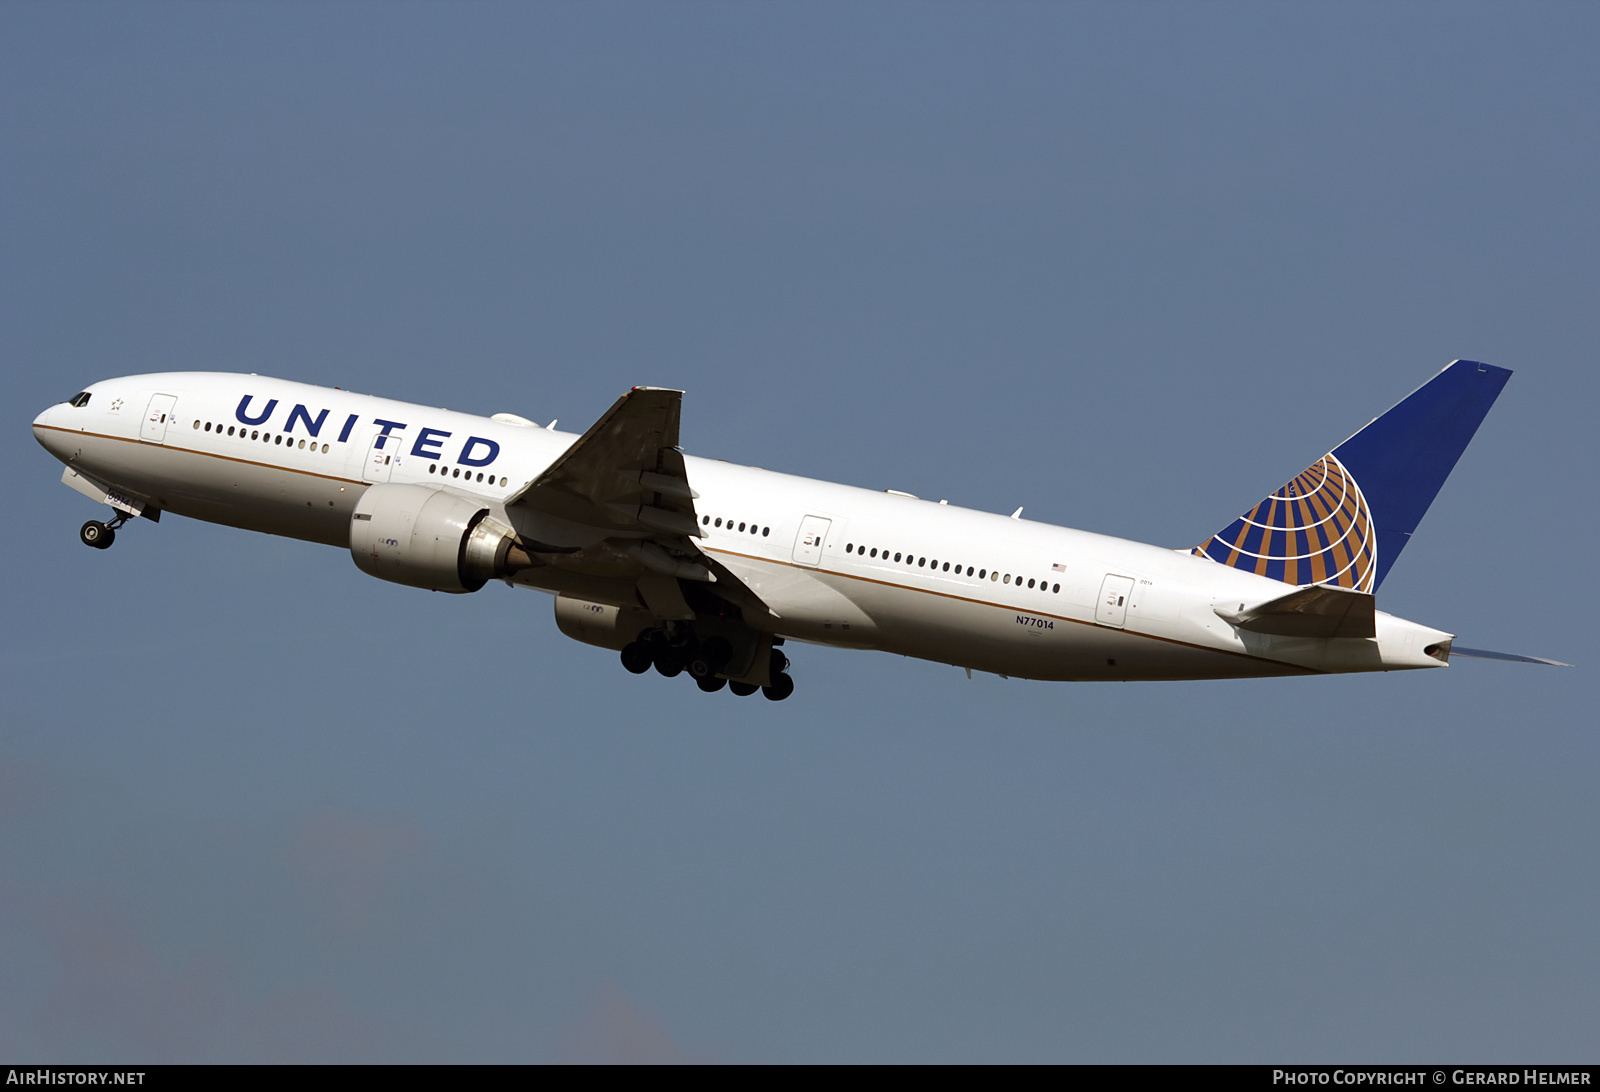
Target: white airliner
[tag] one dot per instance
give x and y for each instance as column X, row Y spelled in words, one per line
column 701, row 566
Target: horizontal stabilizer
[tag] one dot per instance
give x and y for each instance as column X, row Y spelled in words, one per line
column 1485, row 654
column 1321, row 610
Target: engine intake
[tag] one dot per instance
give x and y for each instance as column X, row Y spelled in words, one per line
column 428, row 538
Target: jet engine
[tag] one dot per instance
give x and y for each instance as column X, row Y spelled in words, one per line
column 428, row 538
column 601, row 624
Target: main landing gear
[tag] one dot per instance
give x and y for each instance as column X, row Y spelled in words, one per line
column 703, row 661
column 101, row 535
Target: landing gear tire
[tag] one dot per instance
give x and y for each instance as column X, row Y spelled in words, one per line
column 782, row 686
column 96, row 534
column 711, row 683
column 667, row 662
column 636, row 658
column 711, row 657
column 743, row 689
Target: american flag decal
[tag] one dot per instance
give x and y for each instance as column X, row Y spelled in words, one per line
column 1058, row 568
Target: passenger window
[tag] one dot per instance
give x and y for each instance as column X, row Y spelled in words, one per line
column 302, row 444
column 719, row 521
column 197, row 425
column 325, row 451
column 969, row 570
column 480, row 477
column 741, row 526
column 1055, row 589
column 947, row 566
column 432, row 468
column 1030, row 581
column 704, row 520
column 765, row 531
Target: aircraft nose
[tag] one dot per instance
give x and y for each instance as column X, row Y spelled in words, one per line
column 47, row 436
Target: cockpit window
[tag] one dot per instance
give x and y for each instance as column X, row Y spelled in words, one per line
column 80, row 399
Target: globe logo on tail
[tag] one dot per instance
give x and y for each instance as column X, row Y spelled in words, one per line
column 1317, row 529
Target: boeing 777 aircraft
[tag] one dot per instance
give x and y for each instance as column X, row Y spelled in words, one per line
column 700, row 566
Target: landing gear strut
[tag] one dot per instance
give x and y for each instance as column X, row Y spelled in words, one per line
column 101, row 535
column 782, row 685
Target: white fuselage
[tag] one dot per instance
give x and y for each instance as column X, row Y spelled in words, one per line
column 837, row 565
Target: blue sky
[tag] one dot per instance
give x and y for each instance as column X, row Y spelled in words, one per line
column 1131, row 266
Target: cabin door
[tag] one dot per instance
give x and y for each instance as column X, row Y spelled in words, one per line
column 154, row 427
column 808, row 543
column 381, row 457
column 1112, row 610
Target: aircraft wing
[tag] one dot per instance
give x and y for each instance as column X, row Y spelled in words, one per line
column 625, row 473
column 617, row 505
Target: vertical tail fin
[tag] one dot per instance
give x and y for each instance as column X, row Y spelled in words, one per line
column 1346, row 517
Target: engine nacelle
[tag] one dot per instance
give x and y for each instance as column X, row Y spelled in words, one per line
column 427, row 538
column 600, row 624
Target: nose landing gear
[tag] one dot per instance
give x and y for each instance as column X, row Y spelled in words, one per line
column 101, row 535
